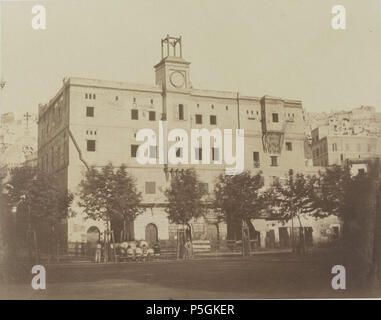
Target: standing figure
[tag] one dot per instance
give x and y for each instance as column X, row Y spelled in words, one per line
column 188, row 249
column 156, row 249
column 98, row 252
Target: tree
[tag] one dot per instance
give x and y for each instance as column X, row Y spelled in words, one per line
column 356, row 200
column 238, row 199
column 332, row 186
column 185, row 198
column 40, row 202
column 294, row 198
column 110, row 195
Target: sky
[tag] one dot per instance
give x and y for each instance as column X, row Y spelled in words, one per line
column 283, row 48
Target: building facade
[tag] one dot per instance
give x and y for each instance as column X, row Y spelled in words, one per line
column 93, row 122
column 332, row 148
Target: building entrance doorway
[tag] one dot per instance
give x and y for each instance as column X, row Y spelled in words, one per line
column 151, row 234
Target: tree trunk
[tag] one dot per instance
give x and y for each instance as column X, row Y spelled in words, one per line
column 218, row 236
column 375, row 273
column 302, row 242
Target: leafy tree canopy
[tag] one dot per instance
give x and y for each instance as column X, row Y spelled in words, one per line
column 38, row 194
column 184, row 198
column 109, row 194
column 239, row 196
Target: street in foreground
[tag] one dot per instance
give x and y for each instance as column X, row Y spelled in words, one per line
column 281, row 275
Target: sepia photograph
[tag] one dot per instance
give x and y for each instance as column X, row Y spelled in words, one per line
column 169, row 150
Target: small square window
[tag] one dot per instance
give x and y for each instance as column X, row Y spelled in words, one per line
column 89, row 111
column 198, row 119
column 288, row 146
column 274, row 161
column 275, row 117
column 152, row 115
column 213, row 120
column 134, row 150
column 134, row 114
column 91, row 145
column 150, row 187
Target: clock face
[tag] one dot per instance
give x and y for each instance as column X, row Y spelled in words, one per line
column 177, row 79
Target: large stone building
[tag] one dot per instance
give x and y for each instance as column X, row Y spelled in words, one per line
column 92, row 122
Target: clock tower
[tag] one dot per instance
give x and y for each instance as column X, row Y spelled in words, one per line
column 172, row 72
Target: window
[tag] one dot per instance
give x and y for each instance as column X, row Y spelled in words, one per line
column 198, row 153
column 227, row 108
column 274, row 180
column 91, row 145
column 213, row 120
column 134, row 149
column 256, row 159
column 215, row 154
column 89, row 111
column 181, row 112
column 274, row 161
column 179, row 152
column 150, row 187
column 288, row 146
column 152, row 152
column 198, row 119
column 212, row 106
column 204, row 187
column 116, row 98
column 86, row 96
column 275, row 117
column 94, row 96
column 152, row 115
column 151, row 101
column 134, row 114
